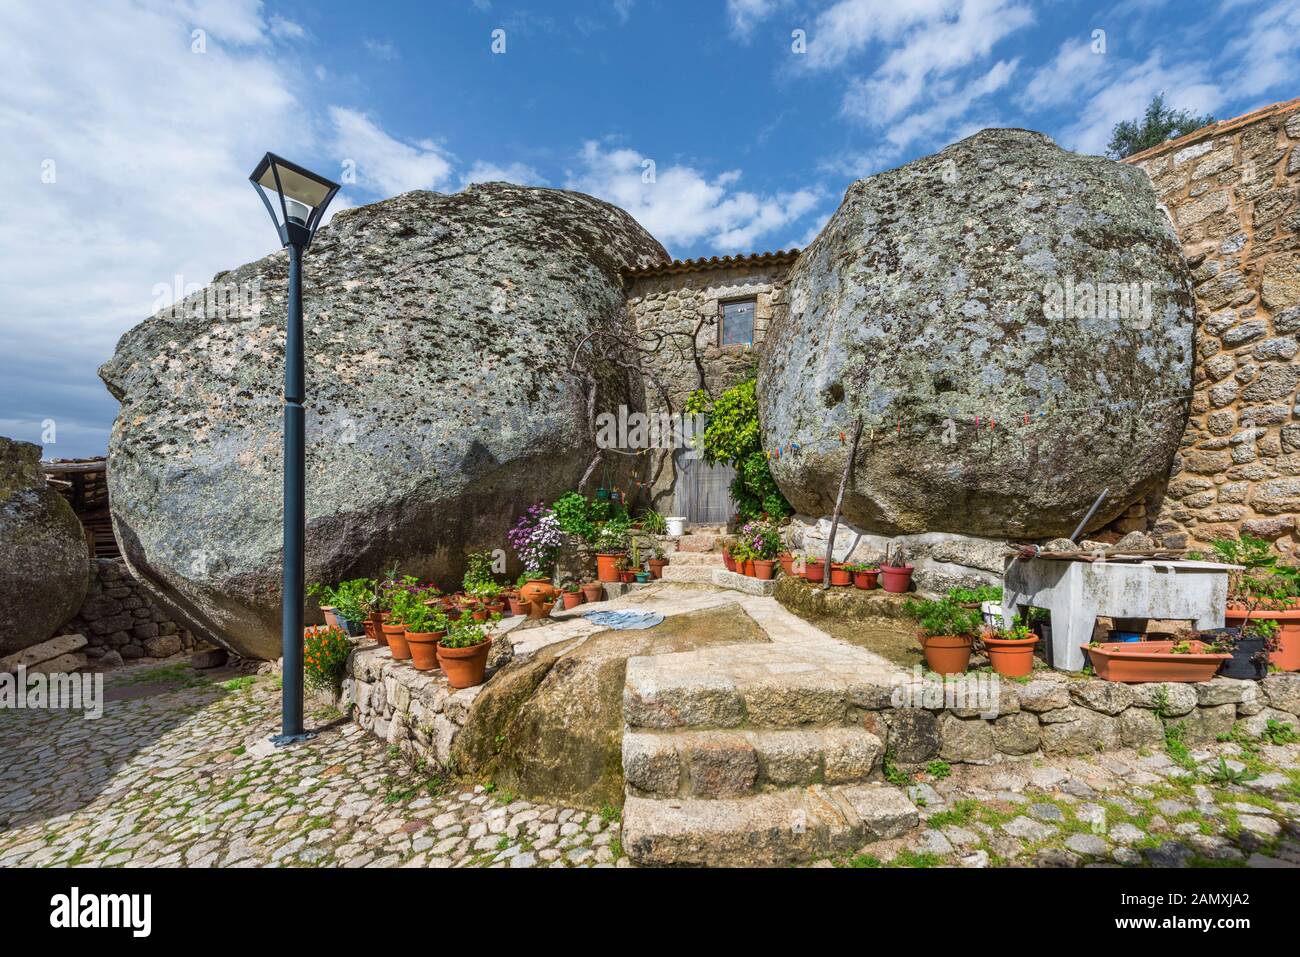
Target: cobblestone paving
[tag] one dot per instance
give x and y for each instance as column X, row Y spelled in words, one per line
column 1174, row 808
column 178, row 772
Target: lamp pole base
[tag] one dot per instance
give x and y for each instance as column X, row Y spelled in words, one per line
column 284, row 740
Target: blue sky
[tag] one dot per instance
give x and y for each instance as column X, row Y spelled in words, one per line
column 151, row 127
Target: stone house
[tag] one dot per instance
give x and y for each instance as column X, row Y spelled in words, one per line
column 714, row 314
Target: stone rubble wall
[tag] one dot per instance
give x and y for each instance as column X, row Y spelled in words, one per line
column 677, row 302
column 1056, row 715
column 121, row 623
column 1231, row 191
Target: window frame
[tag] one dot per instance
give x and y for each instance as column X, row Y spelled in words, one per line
column 722, row 321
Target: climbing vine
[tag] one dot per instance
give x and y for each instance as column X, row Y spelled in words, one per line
column 732, row 437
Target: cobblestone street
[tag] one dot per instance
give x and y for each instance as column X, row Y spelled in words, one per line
column 178, row 772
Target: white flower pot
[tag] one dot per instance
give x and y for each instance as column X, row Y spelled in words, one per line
column 676, row 526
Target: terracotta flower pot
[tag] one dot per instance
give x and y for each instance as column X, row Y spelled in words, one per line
column 540, row 609
column 813, row 571
column 331, row 619
column 396, row 635
column 627, row 576
column 1013, row 658
column 895, row 578
column 517, row 605
column 479, row 612
column 495, row 607
column 423, row 646
column 747, row 567
column 947, row 654
column 539, row 589
column 572, row 599
column 865, row 580
column 369, row 627
column 377, row 626
column 840, row 575
column 787, row 563
column 1287, row 656
column 1135, row 662
column 464, row 667
column 593, row 591
column 764, row 569
column 728, row 561
column 657, row 566
column 606, row 566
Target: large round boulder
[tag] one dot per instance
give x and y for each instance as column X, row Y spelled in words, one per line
column 44, row 559
column 1013, row 325
column 440, row 400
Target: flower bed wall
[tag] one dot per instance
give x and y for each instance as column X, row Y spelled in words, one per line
column 1054, row 714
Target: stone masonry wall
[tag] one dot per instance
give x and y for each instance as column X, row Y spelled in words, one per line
column 1231, row 191
column 119, row 621
column 677, row 302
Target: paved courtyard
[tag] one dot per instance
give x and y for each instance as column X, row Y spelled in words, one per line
column 178, row 772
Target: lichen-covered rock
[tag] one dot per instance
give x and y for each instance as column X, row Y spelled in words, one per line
column 439, row 399
column 964, row 287
column 44, row 561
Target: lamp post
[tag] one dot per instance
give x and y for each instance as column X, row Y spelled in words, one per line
column 302, row 198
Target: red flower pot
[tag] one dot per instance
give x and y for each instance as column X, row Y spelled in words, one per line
column 627, row 576
column 396, row 635
column 763, row 569
column 572, row 599
column 593, row 591
column 606, row 566
column 728, row 561
column 1015, row 659
column 840, row 575
column 865, row 580
column 947, row 654
column 813, row 571
column 423, row 646
column 787, row 563
column 896, row 578
column 747, row 568
column 657, row 566
column 464, row 667
column 517, row 606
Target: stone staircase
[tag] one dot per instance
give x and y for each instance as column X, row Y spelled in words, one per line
column 754, row 755
column 696, row 567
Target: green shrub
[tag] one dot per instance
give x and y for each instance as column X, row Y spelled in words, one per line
column 944, row 617
column 325, row 658
column 732, row 436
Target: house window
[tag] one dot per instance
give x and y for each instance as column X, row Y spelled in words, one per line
column 738, row 323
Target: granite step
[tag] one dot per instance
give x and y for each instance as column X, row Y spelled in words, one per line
column 723, row 764
column 710, row 559
column 775, row 828
column 776, row 685
column 689, row 572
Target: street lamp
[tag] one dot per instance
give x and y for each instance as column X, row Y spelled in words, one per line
column 302, row 197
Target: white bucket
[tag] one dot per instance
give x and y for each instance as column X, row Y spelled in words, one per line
column 676, row 525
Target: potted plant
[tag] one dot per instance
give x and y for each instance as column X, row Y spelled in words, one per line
column 593, row 591
column 1040, row 623
column 658, row 562
column 571, row 594
column 347, row 603
column 1251, row 647
column 864, row 575
column 611, row 547
column 1142, row 661
column 840, row 574
column 814, row 568
column 947, row 634
column 653, row 523
column 787, row 560
column 516, row 604
column 463, row 654
column 623, row 565
column 324, row 658
column 743, row 555
column 424, row 627
column 1010, row 650
column 728, row 559
column 895, row 573
column 406, row 603
column 1265, row 590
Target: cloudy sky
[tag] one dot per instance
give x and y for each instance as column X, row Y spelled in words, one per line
column 128, row 129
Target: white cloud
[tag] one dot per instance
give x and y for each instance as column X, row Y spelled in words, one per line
column 1074, row 68
column 1269, row 51
column 948, row 106
column 383, row 164
column 745, row 15
column 381, row 50
column 623, row 9
column 683, row 206
column 152, row 145
column 518, row 173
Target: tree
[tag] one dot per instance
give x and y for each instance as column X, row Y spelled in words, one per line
column 1158, row 124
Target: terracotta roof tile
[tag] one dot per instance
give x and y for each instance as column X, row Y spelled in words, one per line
column 714, row 262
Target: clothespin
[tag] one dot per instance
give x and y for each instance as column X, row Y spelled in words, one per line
column 841, row 438
column 977, row 421
column 1026, row 418
column 900, row 427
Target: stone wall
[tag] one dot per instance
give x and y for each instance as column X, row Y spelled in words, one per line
column 689, row 300
column 1231, row 191
column 120, row 622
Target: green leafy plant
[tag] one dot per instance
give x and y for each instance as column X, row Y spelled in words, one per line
column 732, row 437
column 972, row 596
column 653, row 522
column 1224, row 775
column 422, row 619
column 324, row 658
column 943, row 617
column 350, row 599
column 478, row 572
column 464, row 633
column 612, row 535
column 1279, row 732
column 574, row 513
column 938, row 769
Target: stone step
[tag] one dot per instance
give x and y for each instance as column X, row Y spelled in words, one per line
column 696, row 542
column 767, row 830
column 722, row 764
column 688, row 572
column 778, row 685
column 711, row 559
column 746, row 583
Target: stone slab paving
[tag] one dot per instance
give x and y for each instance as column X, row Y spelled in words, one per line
column 178, row 772
column 1122, row 808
